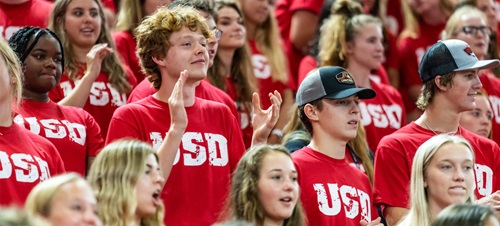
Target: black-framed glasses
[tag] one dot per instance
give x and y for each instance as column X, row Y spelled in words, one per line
column 473, row 30
column 218, row 33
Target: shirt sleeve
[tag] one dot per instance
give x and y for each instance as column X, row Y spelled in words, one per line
column 391, row 176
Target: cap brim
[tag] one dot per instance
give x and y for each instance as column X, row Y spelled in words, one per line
column 482, row 64
column 363, row 93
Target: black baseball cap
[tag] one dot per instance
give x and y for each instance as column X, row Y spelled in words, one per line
column 329, row 82
column 448, row 56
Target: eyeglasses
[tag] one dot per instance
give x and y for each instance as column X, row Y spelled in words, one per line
column 473, row 30
column 217, row 32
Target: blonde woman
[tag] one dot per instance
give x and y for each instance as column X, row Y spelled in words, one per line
column 232, row 70
column 127, row 181
column 268, row 59
column 354, row 41
column 94, row 77
column 64, row 200
column 442, row 174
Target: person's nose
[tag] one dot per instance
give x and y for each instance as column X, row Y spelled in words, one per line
column 91, row 218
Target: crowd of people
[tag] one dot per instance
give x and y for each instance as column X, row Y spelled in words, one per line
column 249, row 112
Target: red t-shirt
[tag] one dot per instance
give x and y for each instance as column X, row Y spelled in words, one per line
column 30, row 13
column 394, row 17
column 492, row 87
column 411, row 51
column 332, row 191
column 204, row 90
column 383, row 114
column 110, row 4
column 103, row 100
column 262, row 72
column 211, row 147
column 26, row 159
column 284, row 12
column 73, row 131
column 126, row 46
column 244, row 113
column 394, row 158
column 391, row 52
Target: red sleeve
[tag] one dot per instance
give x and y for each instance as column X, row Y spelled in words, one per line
column 391, row 176
column 130, row 76
column 110, row 4
column 307, row 64
column 236, row 144
column 121, row 46
column 141, row 91
column 314, row 6
column 119, row 126
column 94, row 138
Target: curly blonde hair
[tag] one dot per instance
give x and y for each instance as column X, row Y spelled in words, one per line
column 153, row 36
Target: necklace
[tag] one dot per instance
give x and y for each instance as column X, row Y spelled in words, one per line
column 451, row 133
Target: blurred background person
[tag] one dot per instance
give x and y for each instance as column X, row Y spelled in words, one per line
column 64, row 200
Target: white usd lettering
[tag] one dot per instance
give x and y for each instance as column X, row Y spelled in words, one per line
column 99, row 96
column 484, row 179
column 194, row 154
column 335, row 196
column 385, row 116
column 25, row 167
column 55, row 129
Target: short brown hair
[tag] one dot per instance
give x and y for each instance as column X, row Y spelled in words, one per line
column 303, row 117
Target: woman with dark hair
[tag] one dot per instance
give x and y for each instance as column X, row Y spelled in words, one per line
column 72, row 130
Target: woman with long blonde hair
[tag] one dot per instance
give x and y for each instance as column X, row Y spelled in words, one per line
column 94, row 77
column 127, row 181
column 232, row 70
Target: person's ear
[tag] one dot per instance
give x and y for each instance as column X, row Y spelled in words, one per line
column 437, row 80
column 159, row 61
column 349, row 46
column 311, row 112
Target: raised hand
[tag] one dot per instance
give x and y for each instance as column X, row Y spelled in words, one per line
column 178, row 123
column 263, row 121
column 178, row 116
column 95, row 57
